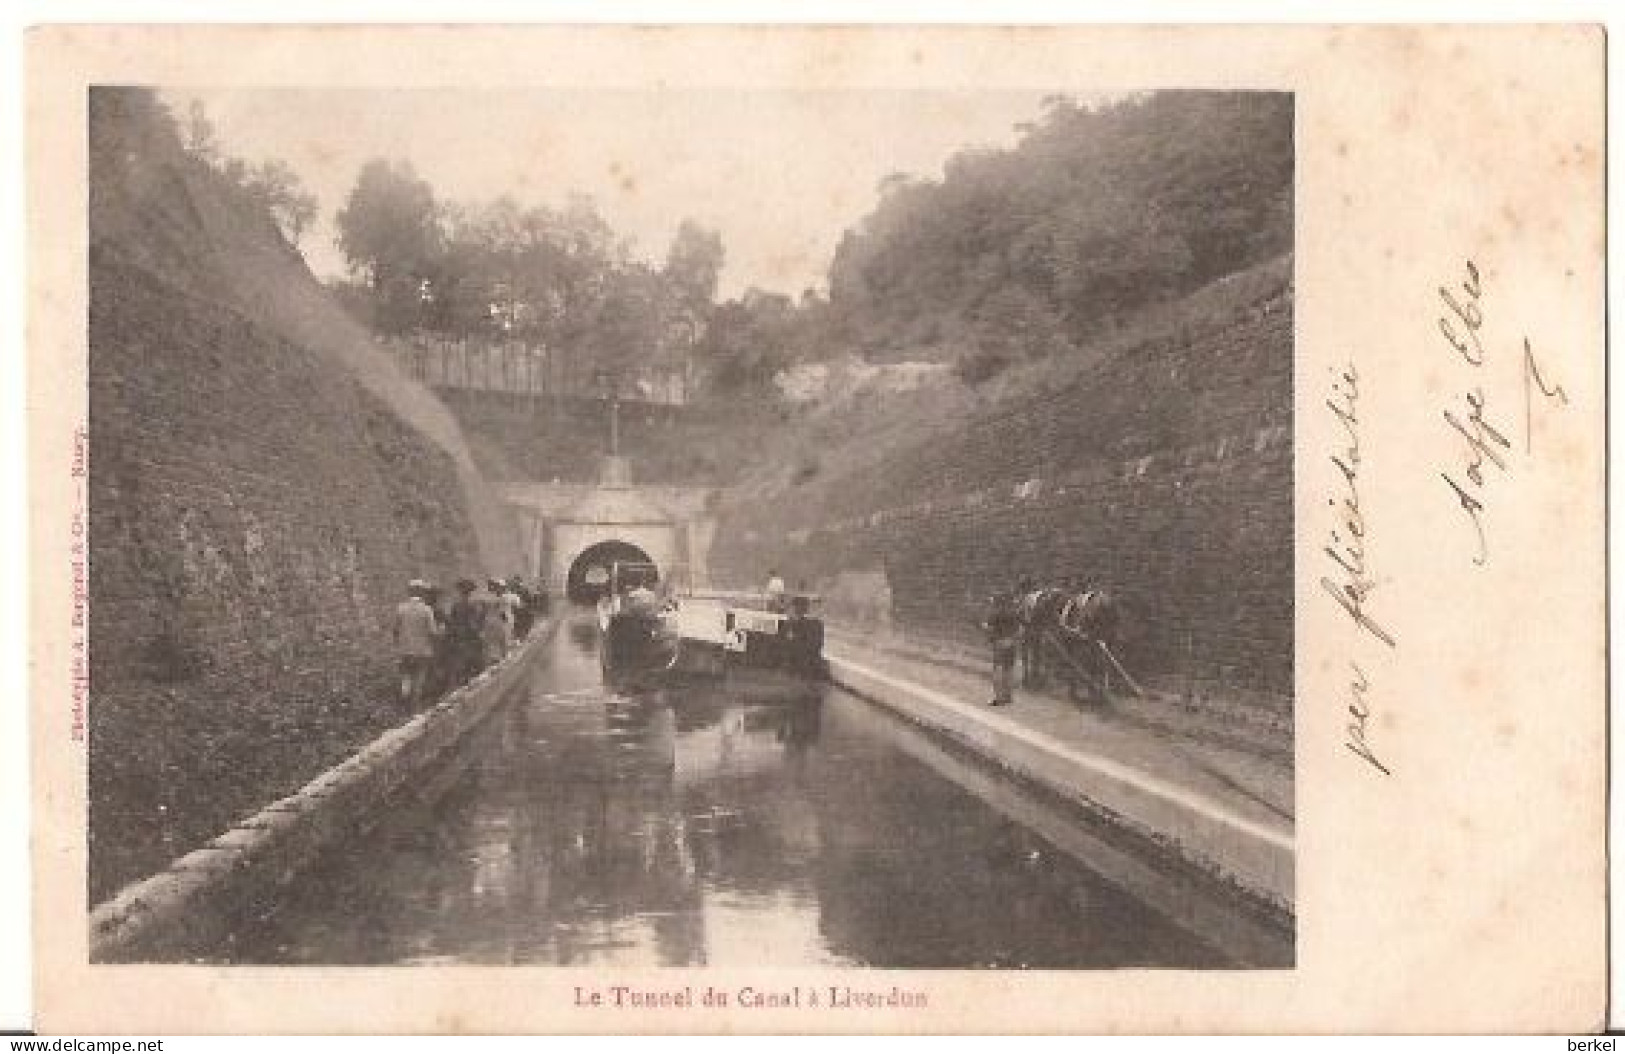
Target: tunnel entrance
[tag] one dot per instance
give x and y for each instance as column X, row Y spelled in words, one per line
column 589, row 573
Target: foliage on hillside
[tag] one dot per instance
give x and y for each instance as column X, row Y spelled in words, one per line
column 1028, row 253
column 1035, row 252
column 271, row 187
column 827, row 444
column 560, row 278
column 1098, row 212
column 1158, row 462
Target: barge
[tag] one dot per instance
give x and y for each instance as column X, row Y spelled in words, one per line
column 697, row 635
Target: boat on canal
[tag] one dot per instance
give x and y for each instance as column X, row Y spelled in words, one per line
column 749, row 639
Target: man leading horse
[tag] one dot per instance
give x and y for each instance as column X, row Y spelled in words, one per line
column 1075, row 629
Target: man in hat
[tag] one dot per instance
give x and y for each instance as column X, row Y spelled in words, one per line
column 441, row 668
column 1029, row 602
column 640, row 599
column 519, row 606
column 1003, row 628
column 775, row 591
column 465, row 625
column 414, row 632
column 498, row 630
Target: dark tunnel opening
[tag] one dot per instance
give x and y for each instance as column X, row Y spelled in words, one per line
column 588, row 578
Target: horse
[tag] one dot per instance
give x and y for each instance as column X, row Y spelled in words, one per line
column 1039, row 610
column 1084, row 623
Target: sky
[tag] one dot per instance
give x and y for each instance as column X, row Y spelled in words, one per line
column 780, row 174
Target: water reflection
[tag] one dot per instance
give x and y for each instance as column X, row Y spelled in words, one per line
column 583, row 634
column 705, row 826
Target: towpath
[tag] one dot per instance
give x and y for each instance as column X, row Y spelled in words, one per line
column 1165, row 775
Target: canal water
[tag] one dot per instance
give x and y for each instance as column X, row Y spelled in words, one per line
column 710, row 826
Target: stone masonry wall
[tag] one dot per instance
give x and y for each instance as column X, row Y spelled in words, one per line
column 255, row 516
column 1165, row 474
column 541, row 439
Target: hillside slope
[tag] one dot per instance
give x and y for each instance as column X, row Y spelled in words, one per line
column 169, row 215
column 1160, row 465
column 257, row 502
column 700, row 444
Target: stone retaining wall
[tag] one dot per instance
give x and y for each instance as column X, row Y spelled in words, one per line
column 1164, row 474
column 189, row 906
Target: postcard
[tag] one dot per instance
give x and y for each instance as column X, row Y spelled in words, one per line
column 807, row 529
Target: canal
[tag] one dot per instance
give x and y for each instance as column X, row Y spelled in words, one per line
column 716, row 826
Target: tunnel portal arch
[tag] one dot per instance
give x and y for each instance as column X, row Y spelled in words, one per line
column 588, row 575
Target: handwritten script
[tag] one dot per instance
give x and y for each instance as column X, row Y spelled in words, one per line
column 1351, row 584
column 1349, row 581
column 1485, row 458
column 1488, row 454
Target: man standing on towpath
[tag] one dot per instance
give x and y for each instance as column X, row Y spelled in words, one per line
column 1003, row 628
column 465, row 625
column 414, row 631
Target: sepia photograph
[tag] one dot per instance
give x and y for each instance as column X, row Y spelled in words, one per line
column 691, row 528
column 775, row 529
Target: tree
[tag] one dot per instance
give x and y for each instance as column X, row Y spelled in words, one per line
column 389, row 234
column 275, row 187
column 554, row 286
column 747, row 342
column 272, row 186
column 693, row 264
column 1011, row 325
column 1101, row 210
column 627, row 328
column 461, row 285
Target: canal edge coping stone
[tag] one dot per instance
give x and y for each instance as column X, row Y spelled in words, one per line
column 267, row 849
column 1259, row 868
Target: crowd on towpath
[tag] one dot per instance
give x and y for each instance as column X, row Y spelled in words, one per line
column 444, row 638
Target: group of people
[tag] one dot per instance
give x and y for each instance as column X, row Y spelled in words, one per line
column 444, row 639
column 1024, row 622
